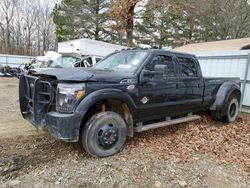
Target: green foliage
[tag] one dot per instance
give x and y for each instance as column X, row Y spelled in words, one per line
column 178, row 22
column 64, row 16
column 82, row 19
column 157, row 23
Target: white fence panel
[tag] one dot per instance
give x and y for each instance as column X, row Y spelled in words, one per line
column 228, row 64
column 246, row 100
column 223, row 67
column 13, row 60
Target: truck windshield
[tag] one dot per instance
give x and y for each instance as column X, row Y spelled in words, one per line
column 126, row 61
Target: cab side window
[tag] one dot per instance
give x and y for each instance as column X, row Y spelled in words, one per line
column 89, row 61
column 162, row 63
column 187, row 67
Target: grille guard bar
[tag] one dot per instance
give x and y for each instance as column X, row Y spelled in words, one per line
column 35, row 96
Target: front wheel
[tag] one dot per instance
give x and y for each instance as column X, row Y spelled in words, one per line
column 104, row 134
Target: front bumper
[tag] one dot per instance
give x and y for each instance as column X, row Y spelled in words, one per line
column 37, row 97
column 64, row 126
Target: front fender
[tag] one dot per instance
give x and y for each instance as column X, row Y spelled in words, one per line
column 103, row 94
column 223, row 94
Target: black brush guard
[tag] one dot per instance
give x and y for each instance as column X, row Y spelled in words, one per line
column 36, row 97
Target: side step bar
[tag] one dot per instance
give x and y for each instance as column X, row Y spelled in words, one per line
column 169, row 121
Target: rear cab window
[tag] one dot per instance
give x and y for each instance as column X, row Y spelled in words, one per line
column 188, row 67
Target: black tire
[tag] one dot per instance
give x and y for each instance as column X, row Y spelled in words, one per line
column 230, row 112
column 104, row 134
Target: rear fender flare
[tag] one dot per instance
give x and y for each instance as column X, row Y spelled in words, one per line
column 223, row 94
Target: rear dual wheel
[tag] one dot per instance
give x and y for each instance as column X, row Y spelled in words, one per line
column 104, row 134
column 230, row 112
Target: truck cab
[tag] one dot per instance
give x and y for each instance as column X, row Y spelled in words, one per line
column 126, row 92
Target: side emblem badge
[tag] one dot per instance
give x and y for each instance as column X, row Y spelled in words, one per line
column 144, row 100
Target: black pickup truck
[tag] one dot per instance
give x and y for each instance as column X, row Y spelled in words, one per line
column 128, row 91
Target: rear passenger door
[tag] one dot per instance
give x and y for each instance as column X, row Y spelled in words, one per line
column 190, row 83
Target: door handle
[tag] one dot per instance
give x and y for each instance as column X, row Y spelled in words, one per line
column 171, row 83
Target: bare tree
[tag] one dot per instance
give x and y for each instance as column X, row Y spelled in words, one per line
column 124, row 11
column 26, row 27
column 227, row 19
column 8, row 9
column 47, row 26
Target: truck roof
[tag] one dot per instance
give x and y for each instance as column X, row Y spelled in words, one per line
column 161, row 50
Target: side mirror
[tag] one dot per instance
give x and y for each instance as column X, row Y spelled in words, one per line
column 160, row 69
column 158, row 74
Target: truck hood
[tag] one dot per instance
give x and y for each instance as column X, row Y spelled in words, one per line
column 84, row 74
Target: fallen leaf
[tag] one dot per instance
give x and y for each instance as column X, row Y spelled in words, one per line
column 182, row 183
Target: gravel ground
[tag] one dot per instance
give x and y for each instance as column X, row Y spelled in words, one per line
column 203, row 153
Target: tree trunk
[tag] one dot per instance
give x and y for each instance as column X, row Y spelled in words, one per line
column 38, row 40
column 29, row 42
column 44, row 40
column 129, row 33
column 97, row 30
column 161, row 33
column 8, row 35
column 97, row 27
column 130, row 26
column 3, row 46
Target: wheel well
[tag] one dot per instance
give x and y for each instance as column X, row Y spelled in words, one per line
column 113, row 105
column 237, row 94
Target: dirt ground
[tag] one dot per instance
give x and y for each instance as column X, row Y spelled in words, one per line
column 203, row 153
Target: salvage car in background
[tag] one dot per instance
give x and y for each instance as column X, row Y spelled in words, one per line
column 71, row 60
column 51, row 60
column 74, row 53
column 71, row 54
column 9, row 71
column 55, row 60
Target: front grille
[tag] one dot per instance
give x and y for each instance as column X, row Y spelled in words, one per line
column 44, row 92
column 37, row 97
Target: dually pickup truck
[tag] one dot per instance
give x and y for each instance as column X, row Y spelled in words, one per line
column 128, row 91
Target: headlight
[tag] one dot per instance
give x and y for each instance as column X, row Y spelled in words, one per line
column 68, row 95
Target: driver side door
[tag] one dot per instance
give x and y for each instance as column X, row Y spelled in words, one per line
column 157, row 87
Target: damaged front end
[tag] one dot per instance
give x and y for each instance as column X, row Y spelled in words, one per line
column 37, row 98
column 53, row 99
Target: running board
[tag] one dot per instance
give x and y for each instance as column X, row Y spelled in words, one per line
column 169, row 121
